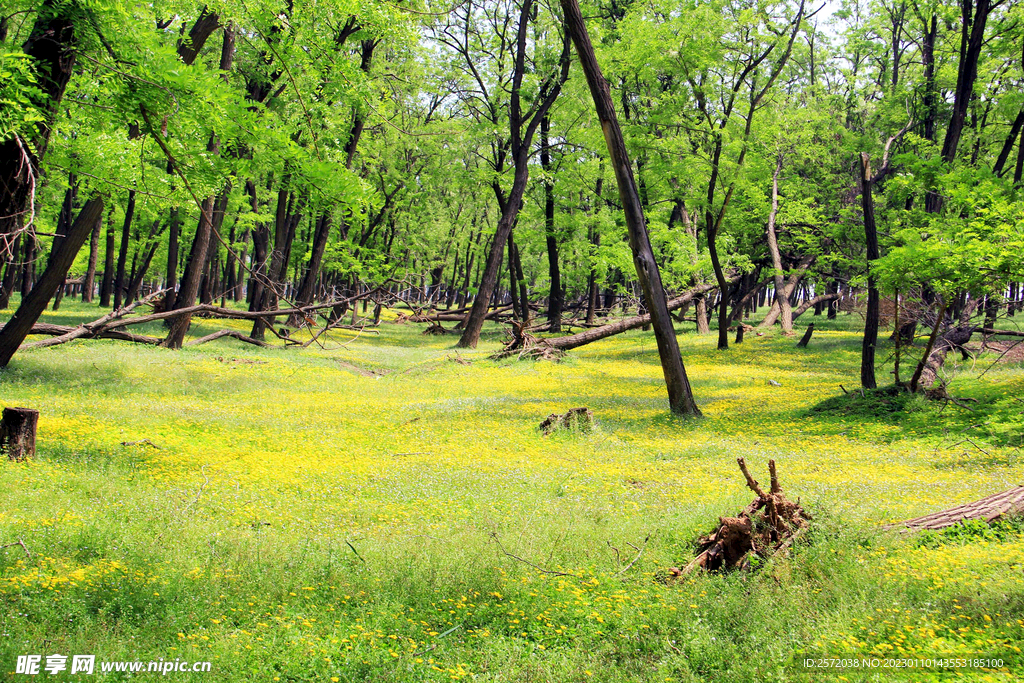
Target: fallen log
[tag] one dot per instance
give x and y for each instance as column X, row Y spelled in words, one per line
column 1008, row 333
column 453, row 317
column 88, row 329
column 522, row 344
column 768, row 525
column 989, row 509
column 110, row 326
column 597, row 333
column 58, row 330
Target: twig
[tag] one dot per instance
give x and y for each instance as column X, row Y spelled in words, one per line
column 751, row 482
column 18, row 542
column 355, row 551
column 618, row 562
column 141, row 442
column 639, row 553
column 494, row 536
column 453, row 629
column 206, row 480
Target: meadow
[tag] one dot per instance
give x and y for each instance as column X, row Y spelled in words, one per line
column 387, row 510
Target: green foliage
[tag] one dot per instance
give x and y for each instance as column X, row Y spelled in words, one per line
column 1003, row 530
column 19, row 93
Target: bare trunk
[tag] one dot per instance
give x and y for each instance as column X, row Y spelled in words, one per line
column 678, row 385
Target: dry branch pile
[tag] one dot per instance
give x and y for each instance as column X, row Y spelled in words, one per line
column 769, row 524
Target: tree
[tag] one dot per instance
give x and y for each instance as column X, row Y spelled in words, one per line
column 680, row 394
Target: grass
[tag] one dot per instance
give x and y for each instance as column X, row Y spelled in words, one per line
column 351, row 514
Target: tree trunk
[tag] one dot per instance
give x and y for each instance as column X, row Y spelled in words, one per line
column 678, row 385
column 122, row 253
column 556, row 295
column 191, row 278
column 867, row 356
column 773, row 247
column 521, row 131
column 11, row 272
column 18, row 433
column 61, row 258
column 89, row 282
column 50, row 48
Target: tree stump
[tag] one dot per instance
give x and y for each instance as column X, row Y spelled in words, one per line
column 18, row 433
column 576, row 420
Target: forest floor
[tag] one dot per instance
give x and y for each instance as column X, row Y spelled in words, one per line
column 384, row 511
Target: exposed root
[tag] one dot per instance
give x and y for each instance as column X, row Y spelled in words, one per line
column 767, row 526
column 523, row 345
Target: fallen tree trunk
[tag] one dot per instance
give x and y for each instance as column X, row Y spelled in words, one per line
column 59, row 330
column 597, row 333
column 953, row 338
column 988, row 509
column 1008, row 333
column 88, row 329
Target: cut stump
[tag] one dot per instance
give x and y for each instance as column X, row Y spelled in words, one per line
column 576, row 420
column 18, row 433
column 768, row 525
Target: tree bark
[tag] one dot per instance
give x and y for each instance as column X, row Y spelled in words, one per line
column 680, row 394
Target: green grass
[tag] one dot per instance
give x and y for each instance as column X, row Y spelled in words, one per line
column 341, row 512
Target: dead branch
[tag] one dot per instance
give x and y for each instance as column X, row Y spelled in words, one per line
column 596, row 333
column 542, row 570
column 18, row 542
column 228, row 333
column 765, row 527
column 640, row 551
column 141, row 442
